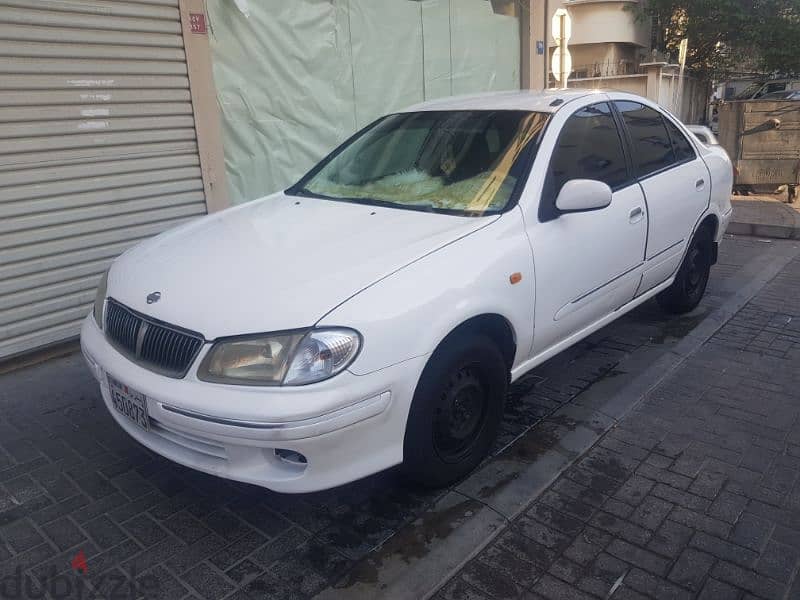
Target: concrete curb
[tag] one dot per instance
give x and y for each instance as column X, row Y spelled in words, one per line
column 429, row 551
column 49, row 352
column 764, row 217
column 784, row 232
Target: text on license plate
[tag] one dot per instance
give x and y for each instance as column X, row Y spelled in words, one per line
column 129, row 402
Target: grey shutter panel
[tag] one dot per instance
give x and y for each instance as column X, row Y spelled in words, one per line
column 97, row 151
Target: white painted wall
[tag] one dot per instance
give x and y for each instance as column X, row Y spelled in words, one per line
column 635, row 84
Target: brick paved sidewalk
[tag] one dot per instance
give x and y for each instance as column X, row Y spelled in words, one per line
column 72, row 484
column 694, row 495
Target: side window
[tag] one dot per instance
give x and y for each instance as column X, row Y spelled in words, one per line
column 680, row 145
column 773, row 87
column 589, row 147
column 652, row 150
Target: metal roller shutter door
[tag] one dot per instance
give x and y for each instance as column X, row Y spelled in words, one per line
column 97, row 151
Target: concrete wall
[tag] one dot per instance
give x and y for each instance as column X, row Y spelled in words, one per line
column 687, row 100
column 634, row 84
column 603, row 60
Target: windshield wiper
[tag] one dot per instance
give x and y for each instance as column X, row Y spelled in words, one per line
column 303, row 192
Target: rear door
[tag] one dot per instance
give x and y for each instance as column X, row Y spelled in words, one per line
column 676, row 185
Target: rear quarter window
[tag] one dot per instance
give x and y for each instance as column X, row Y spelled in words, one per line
column 680, row 145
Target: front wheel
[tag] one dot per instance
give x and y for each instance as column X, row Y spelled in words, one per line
column 456, row 410
column 690, row 283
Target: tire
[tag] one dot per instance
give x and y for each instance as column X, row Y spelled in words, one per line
column 691, row 280
column 456, row 410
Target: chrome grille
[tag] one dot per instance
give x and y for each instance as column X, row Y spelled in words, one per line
column 154, row 345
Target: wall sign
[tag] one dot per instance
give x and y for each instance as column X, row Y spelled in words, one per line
column 539, row 47
column 197, row 23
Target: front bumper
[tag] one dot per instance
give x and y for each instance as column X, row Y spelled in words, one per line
column 346, row 427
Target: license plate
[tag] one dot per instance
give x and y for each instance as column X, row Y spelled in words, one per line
column 129, row 402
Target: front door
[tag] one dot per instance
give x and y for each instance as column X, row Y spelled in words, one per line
column 587, row 264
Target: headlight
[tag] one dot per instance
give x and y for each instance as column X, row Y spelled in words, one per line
column 290, row 358
column 321, row 354
column 100, row 300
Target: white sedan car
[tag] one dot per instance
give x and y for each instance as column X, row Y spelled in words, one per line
column 375, row 313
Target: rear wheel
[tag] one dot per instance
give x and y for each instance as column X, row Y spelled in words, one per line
column 456, row 410
column 690, row 283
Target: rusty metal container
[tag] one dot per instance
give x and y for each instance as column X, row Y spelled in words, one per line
column 762, row 137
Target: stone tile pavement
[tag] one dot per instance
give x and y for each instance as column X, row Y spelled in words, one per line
column 84, row 507
column 696, row 494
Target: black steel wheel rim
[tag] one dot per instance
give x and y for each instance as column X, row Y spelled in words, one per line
column 460, row 414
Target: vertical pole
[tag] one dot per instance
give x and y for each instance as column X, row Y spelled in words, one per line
column 562, row 66
column 679, row 100
column 534, row 66
column 194, row 19
column 527, row 45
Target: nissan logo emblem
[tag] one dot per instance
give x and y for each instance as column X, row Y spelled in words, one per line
column 153, row 298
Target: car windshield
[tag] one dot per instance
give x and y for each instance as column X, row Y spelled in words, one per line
column 459, row 162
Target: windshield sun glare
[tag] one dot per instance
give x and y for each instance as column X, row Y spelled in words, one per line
column 463, row 162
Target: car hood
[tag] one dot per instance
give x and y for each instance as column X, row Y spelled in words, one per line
column 277, row 263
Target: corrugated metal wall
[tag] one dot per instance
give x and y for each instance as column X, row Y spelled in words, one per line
column 97, row 151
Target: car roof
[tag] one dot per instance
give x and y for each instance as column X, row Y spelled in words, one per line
column 535, row 101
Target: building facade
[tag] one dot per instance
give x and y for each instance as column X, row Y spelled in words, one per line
column 612, row 48
column 99, row 148
column 607, row 39
column 119, row 120
column 112, row 128
column 295, row 79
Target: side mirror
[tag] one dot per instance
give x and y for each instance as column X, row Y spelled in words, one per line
column 580, row 195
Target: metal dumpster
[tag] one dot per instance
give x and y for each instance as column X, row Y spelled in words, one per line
column 762, row 138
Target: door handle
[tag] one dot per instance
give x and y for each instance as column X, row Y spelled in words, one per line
column 700, row 184
column 636, row 215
